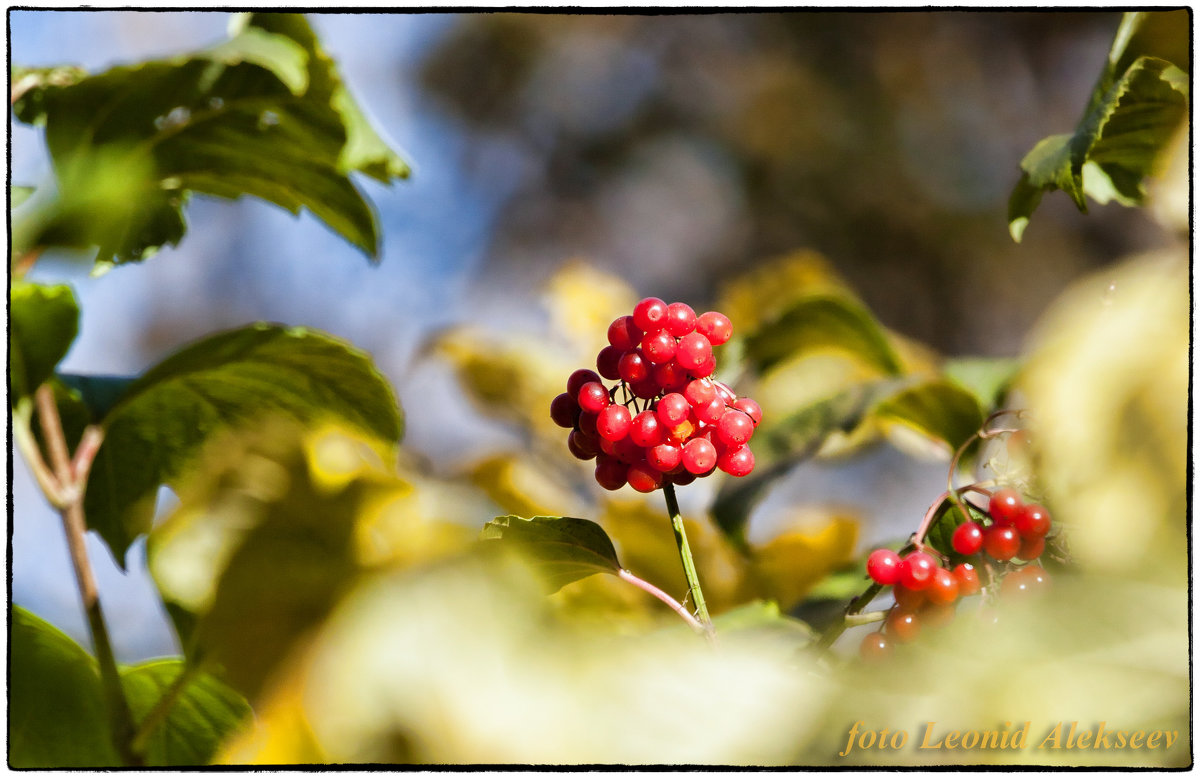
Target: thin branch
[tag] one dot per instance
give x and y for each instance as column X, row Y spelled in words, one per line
column 671, row 602
column 685, row 556
column 27, row 445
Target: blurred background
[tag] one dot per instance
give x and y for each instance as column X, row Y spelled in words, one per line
column 676, row 152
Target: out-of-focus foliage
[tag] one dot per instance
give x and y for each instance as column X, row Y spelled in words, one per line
column 561, row 549
column 1136, row 107
column 43, row 323
column 263, row 113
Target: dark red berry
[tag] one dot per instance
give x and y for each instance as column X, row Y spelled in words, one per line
column 670, row 377
column 624, row 334
column 967, row 538
column 874, row 647
column 633, row 367
column 1031, row 548
column 613, row 422
column 564, row 410
column 1033, row 521
column 650, row 314
column 608, row 362
column 582, row 447
column 646, row 430
column 681, row 319
column 699, row 456
column 1004, row 506
column 646, row 389
column 579, row 378
column 883, row 566
column 644, row 478
column 903, row 625
column 610, row 472
column 680, row 477
column 715, row 327
column 1001, row 542
column 916, row 570
column 587, row 426
column 693, row 352
column 909, row 599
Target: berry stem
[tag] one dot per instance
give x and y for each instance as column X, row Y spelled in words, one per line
column 671, row 602
column 685, row 556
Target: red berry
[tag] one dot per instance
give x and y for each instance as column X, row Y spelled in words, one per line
column 613, row 422
column 664, row 456
column 715, row 327
column 646, row 389
column 874, row 647
column 587, row 426
column 943, row 589
column 610, row 472
column 650, row 314
column 680, row 477
column 646, row 430
column 1033, row 521
column 564, row 410
column 673, row 410
column 633, row 367
column 1004, row 506
column 693, row 351
column 1001, row 542
column 967, row 538
column 681, row 319
column 711, row 413
column 700, row 392
column 670, row 377
column 883, row 565
column 699, row 456
column 937, row 615
column 908, row 599
column 1031, row 548
column 582, row 447
column 968, row 579
column 735, row 427
column 608, row 362
column 1030, row 579
column 916, row 570
column 593, row 397
column 902, row 625
column 737, row 461
column 644, row 478
column 750, row 408
column 624, row 334
column 579, row 378
column 658, row 346
column 706, row 369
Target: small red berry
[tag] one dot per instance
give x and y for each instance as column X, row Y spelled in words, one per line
column 644, row 478
column 579, row 378
column 903, row 625
column 1004, row 506
column 593, row 397
column 883, row 565
column 650, row 314
column 706, row 369
column 700, row 392
column 681, row 477
column 613, row 422
column 582, row 447
column 670, row 377
column 673, row 410
column 874, row 647
column 750, row 408
column 711, row 413
column 610, row 472
column 623, row 334
column 564, row 410
column 608, row 362
column 1033, row 521
column 664, row 456
column 715, row 327
column 658, row 346
column 1031, row 548
column 587, row 426
column 737, row 461
column 699, row 456
column 1001, row 542
column 693, row 351
column 967, row 538
column 916, row 570
column 735, row 427
column 646, row 389
column 1030, row 579
column 646, row 430
column 943, row 589
column 937, row 615
column 968, row 579
column 909, row 599
column 681, row 319
column 633, row 367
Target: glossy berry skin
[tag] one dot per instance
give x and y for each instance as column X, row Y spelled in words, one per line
column 693, row 351
column 1033, row 521
column 633, row 367
column 967, row 538
column 646, row 430
column 916, row 570
column 715, row 327
column 1001, row 542
column 658, row 346
column 593, row 397
column 582, row 447
column 943, row 589
column 1030, row 579
column 670, row 377
column 699, row 456
column 623, row 334
column 710, row 413
column 579, row 378
column 968, row 579
column 608, row 362
column 883, row 566
column 750, row 408
column 1004, row 506
column 610, row 472
column 673, row 410
column 874, row 647
column 735, row 427
column 902, row 625
column 644, row 478
column 650, row 314
column 706, row 368
column 1031, row 548
column 664, row 456
column 737, row 461
column 700, row 392
column 613, row 422
column 564, row 410
column 681, row 319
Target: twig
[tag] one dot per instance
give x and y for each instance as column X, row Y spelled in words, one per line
column 685, row 556
column 674, row 605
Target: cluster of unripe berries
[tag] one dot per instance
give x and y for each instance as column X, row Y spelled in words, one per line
column 925, row 591
column 666, row 419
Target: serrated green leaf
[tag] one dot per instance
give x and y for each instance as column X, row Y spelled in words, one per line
column 56, row 716
column 204, row 713
column 44, row 321
column 263, row 114
column 163, row 419
column 945, row 521
column 1137, row 105
column 563, row 549
column 939, row 410
column 822, row 321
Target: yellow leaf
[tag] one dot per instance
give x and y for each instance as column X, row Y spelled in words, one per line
column 583, row 301
column 521, row 488
column 788, row 566
column 762, row 294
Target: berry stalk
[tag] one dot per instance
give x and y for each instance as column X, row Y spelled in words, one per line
column 685, row 556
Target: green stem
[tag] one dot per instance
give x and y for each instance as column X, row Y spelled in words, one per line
column 685, row 556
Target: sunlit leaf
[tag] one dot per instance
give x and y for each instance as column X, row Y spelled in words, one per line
column 163, row 418
column 988, row 378
column 823, row 322
column 43, row 322
column 562, row 549
column 786, row 567
column 752, row 299
column 519, row 485
column 939, row 411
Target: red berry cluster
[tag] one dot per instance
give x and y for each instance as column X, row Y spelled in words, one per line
column 666, row 419
column 925, row 591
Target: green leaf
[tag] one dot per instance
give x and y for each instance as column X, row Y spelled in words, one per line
column 263, row 114
column 945, row 521
column 98, row 393
column 203, row 714
column 56, row 714
column 1139, row 102
column 44, row 321
column 563, row 549
column 822, row 321
column 938, row 410
column 988, row 378
column 161, row 421
column 762, row 618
